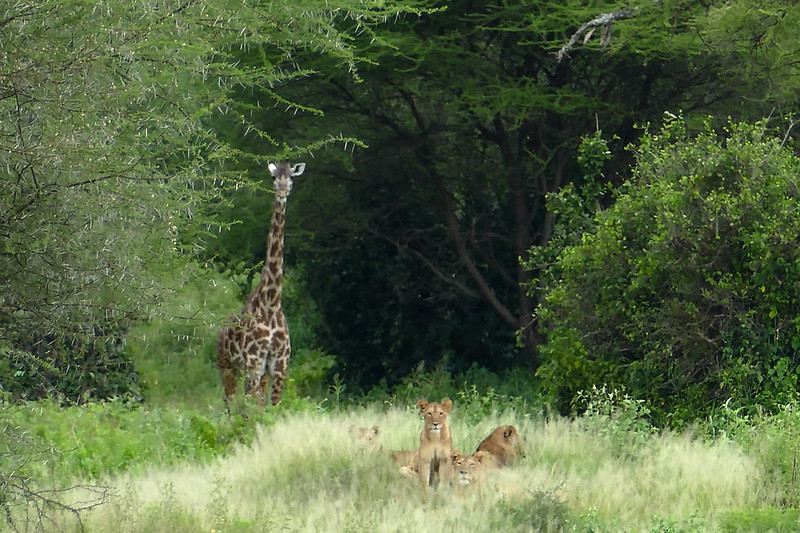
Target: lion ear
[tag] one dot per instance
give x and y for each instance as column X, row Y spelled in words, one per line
column 421, row 405
column 447, row 404
column 509, row 431
column 479, row 456
column 454, row 455
column 376, row 430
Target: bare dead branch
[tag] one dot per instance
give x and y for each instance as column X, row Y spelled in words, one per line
column 604, row 20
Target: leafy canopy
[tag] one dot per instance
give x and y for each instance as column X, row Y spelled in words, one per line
column 109, row 168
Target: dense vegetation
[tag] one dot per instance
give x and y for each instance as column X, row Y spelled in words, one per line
column 523, row 204
column 135, row 164
column 683, row 292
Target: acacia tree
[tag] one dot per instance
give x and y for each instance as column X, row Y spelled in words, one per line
column 471, row 121
column 107, row 161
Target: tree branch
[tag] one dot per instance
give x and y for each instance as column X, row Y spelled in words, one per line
column 463, row 253
column 604, row 20
column 450, row 280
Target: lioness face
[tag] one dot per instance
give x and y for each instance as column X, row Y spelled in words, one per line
column 367, row 438
column 467, row 469
column 434, row 414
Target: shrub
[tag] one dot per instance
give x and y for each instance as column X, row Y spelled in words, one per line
column 684, row 291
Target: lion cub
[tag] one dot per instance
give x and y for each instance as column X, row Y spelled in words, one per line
column 435, row 443
column 502, row 447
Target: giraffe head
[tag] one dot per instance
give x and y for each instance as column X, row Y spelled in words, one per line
column 282, row 177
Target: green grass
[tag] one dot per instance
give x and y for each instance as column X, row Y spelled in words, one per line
column 760, row 520
column 190, row 467
column 303, row 473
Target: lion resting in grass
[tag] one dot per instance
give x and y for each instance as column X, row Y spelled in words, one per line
column 468, row 470
column 502, row 447
column 435, row 443
column 408, row 461
column 366, row 439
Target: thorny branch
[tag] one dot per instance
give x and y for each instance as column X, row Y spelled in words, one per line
column 41, row 507
column 25, row 505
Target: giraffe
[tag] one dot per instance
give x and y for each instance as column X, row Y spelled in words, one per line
column 256, row 340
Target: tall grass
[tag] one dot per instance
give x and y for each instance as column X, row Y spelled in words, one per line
column 304, row 473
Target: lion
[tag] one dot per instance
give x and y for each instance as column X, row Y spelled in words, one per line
column 468, row 469
column 435, row 443
column 367, row 439
column 405, row 457
column 408, row 461
column 502, row 447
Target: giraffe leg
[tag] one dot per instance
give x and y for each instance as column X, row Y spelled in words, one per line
column 278, row 377
column 229, row 377
column 253, row 386
column 264, row 388
column 228, row 372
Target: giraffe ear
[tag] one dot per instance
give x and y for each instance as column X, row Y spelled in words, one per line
column 273, row 168
column 298, row 169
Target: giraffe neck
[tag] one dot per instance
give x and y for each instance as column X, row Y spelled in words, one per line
column 267, row 297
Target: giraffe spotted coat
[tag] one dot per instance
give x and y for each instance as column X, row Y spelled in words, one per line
column 256, row 341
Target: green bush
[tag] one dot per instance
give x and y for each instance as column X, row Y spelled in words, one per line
column 69, row 370
column 98, row 439
column 684, row 292
column 772, row 438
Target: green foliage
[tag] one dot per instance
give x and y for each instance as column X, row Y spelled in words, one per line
column 773, row 438
column 30, row 499
column 766, row 519
column 536, row 511
column 573, row 207
column 476, row 393
column 91, row 214
column 670, row 525
column 617, row 417
column 175, row 351
column 115, row 149
column 683, row 291
column 70, row 372
column 471, row 124
column 96, row 440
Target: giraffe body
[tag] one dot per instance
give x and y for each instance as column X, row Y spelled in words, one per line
column 256, row 341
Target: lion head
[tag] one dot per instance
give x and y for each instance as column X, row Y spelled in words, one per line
column 468, row 469
column 434, row 415
column 511, row 438
column 504, row 444
column 366, row 438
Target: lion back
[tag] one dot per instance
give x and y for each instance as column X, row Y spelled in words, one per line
column 504, row 443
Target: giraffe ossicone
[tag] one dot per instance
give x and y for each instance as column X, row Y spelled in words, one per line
column 256, row 341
